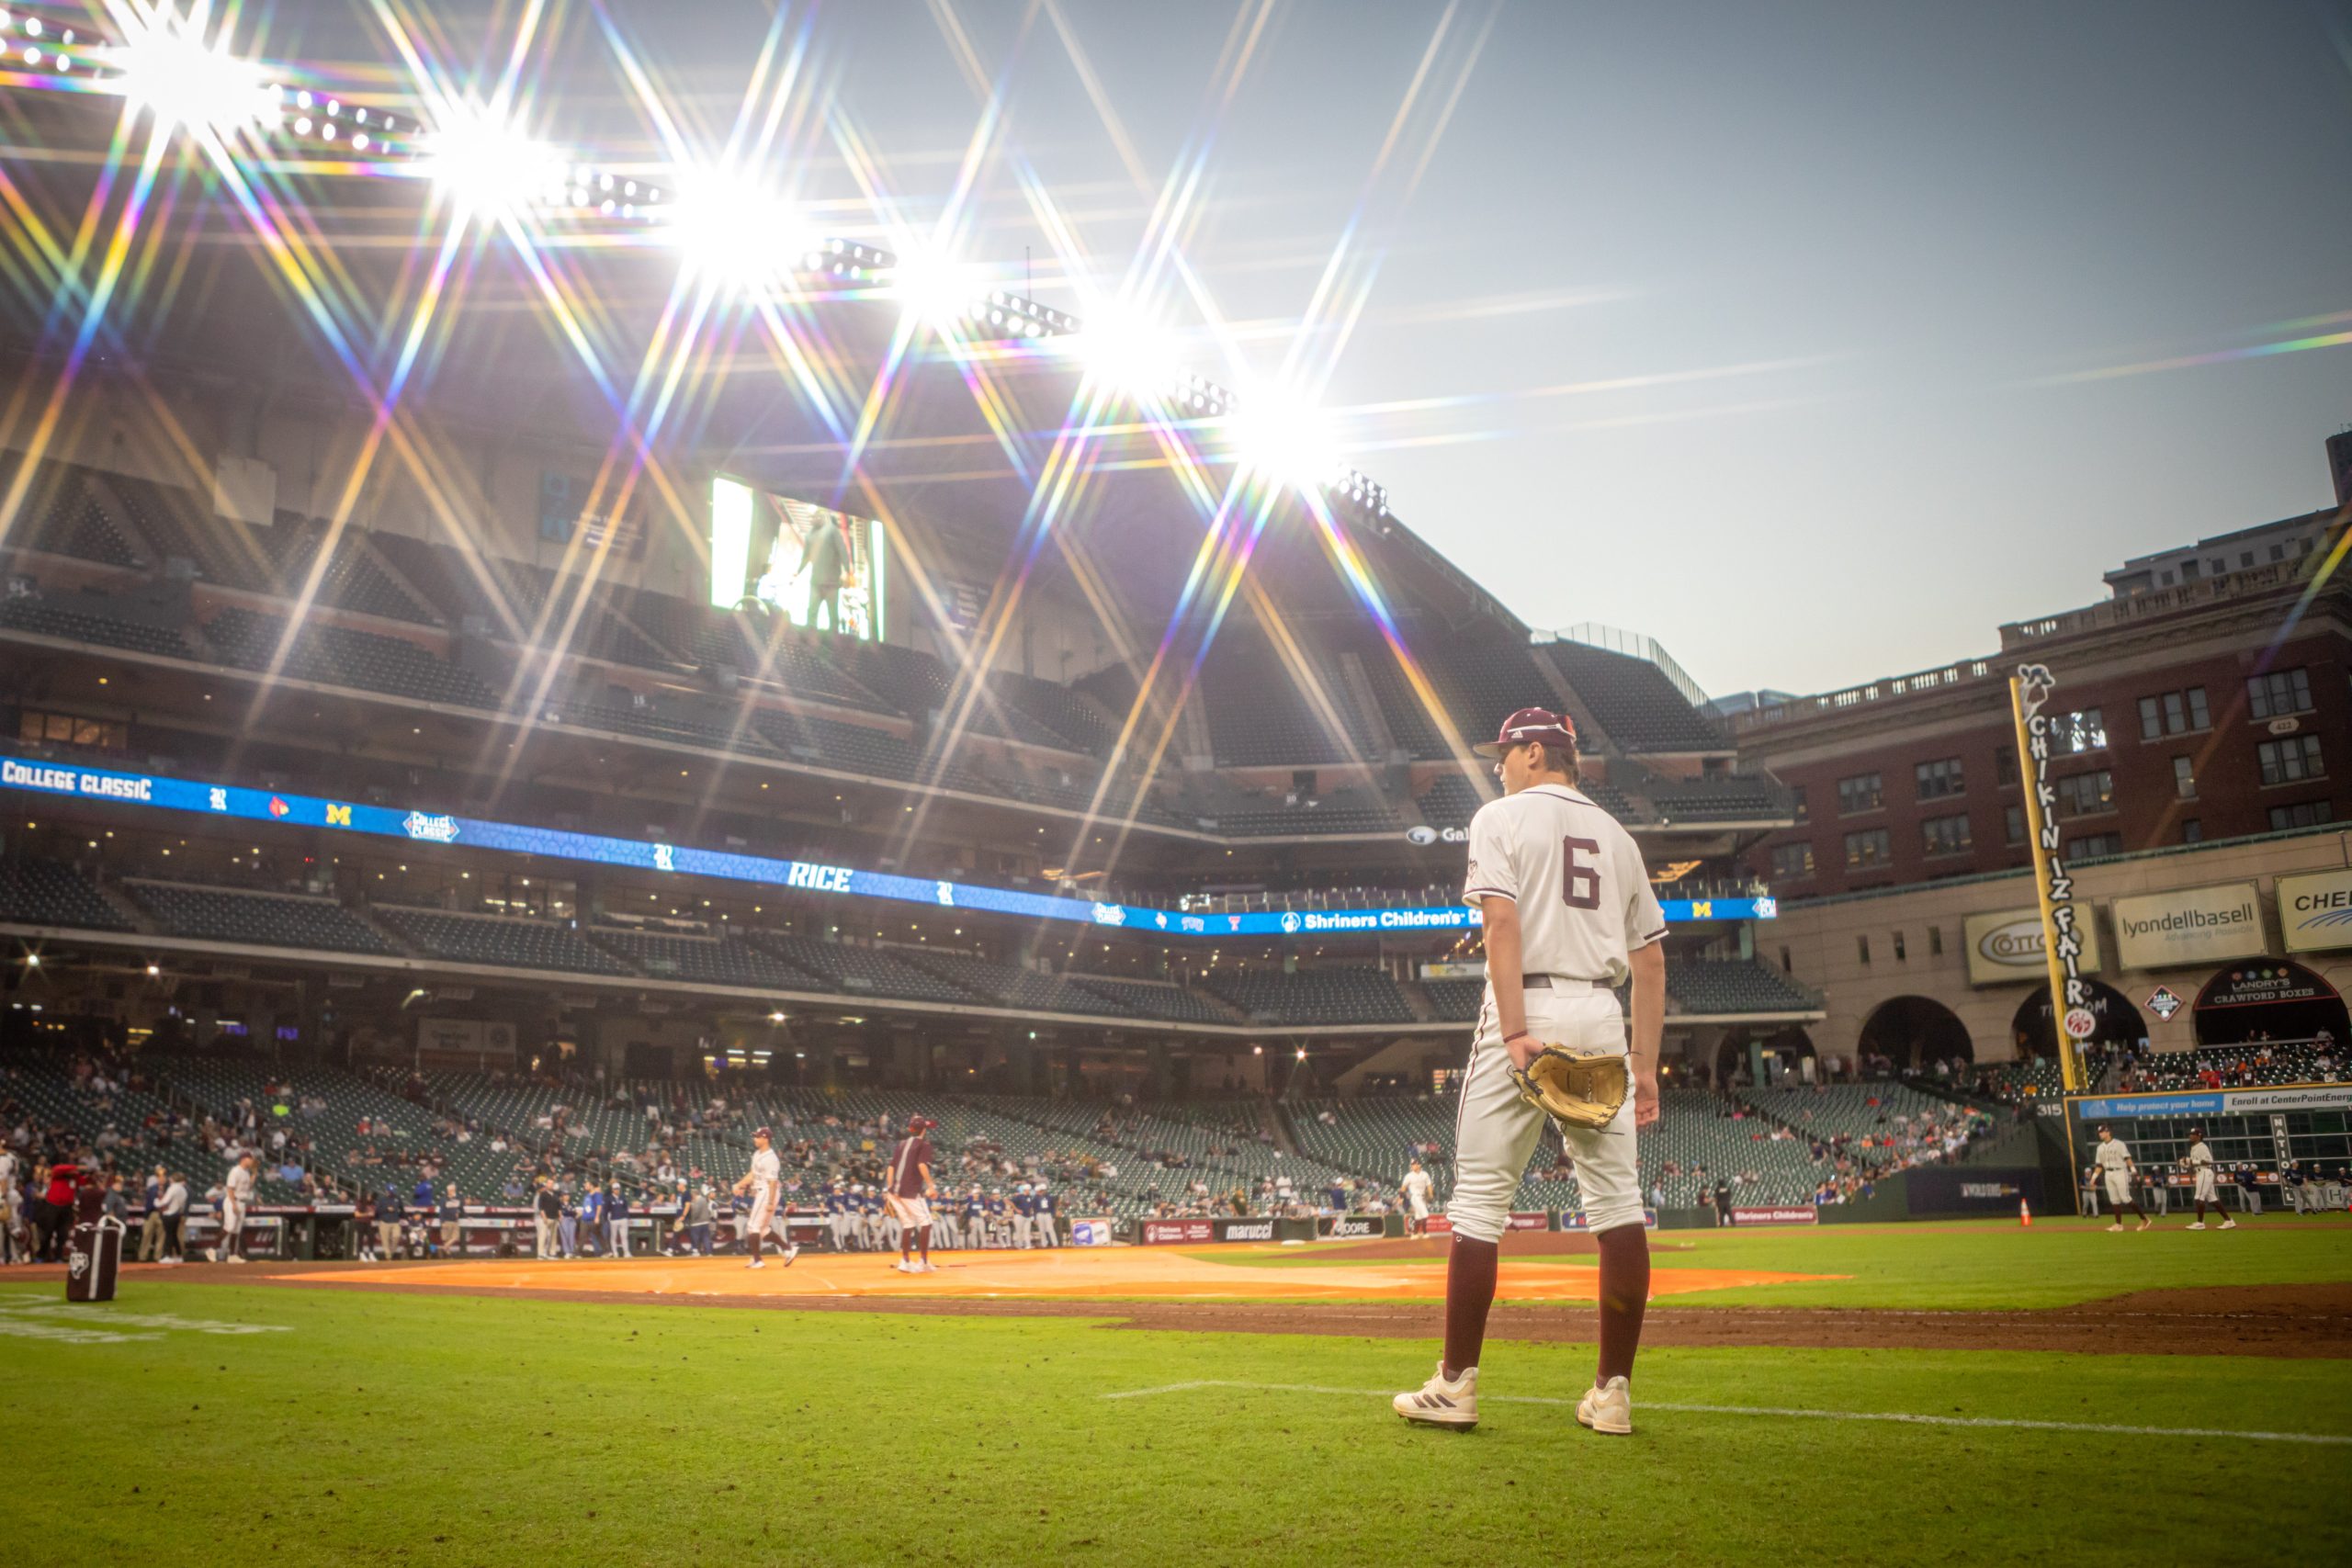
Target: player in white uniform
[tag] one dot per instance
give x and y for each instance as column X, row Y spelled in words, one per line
column 1570, row 915
column 764, row 1182
column 2114, row 1163
column 2208, row 1190
column 236, row 1199
column 1415, row 1190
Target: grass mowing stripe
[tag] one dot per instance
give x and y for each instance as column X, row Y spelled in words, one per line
column 1907, row 1418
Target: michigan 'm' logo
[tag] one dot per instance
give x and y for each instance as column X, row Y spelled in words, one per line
column 338, row 815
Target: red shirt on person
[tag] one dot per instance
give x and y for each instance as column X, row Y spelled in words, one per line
column 62, row 1180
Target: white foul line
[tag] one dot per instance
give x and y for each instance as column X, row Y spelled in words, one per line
column 1905, row 1417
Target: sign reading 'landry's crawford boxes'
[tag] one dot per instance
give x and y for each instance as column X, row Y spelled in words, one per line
column 2007, row 947
column 2194, row 925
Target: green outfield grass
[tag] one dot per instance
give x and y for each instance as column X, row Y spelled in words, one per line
column 376, row 1429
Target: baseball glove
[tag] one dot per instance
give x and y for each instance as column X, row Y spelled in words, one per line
column 1575, row 1092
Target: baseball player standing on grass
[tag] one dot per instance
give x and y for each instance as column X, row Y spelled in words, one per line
column 1570, row 915
column 1415, row 1190
column 237, row 1198
column 911, row 1191
column 764, row 1182
column 2114, row 1163
column 2200, row 1167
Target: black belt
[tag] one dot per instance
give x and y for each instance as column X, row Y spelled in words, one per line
column 1543, row 982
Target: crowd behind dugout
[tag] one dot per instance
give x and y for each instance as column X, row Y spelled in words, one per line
column 164, row 1166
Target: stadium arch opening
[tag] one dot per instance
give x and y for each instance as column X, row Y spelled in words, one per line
column 2267, row 998
column 2035, row 1034
column 1908, row 1031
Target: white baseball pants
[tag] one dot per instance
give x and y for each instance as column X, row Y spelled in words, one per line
column 1495, row 1131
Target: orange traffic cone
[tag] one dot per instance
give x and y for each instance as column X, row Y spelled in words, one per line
column 2025, row 1214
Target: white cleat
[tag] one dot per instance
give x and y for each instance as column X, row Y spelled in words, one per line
column 2198, row 1226
column 791, row 1251
column 234, row 1257
column 2229, row 1225
column 1608, row 1408
column 2147, row 1224
column 213, row 1255
column 757, row 1263
column 2116, row 1226
column 907, row 1266
column 1438, row 1402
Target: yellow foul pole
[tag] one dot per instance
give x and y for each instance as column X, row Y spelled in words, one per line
column 2028, row 688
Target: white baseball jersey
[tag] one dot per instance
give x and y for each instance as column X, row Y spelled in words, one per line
column 2201, row 1158
column 238, row 1186
column 1584, row 897
column 2113, row 1160
column 1416, row 1187
column 767, row 1174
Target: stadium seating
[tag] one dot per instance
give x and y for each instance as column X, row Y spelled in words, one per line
column 506, row 942
column 339, row 656
column 1346, row 811
column 259, row 919
column 1451, row 801
column 44, row 1085
column 1261, row 713
column 351, row 580
column 1634, row 700
column 2257, row 1063
column 708, row 960
column 1735, row 986
column 860, row 970
column 1313, row 996
column 180, row 522
column 49, row 893
column 1739, row 798
column 1147, row 998
column 1456, row 999
column 1008, row 985
column 61, row 515
column 79, row 620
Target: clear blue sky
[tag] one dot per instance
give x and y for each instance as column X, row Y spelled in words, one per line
column 1766, row 329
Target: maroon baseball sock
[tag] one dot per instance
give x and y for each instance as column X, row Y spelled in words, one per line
column 755, row 1246
column 1469, row 1291
column 1625, row 1295
column 922, row 1240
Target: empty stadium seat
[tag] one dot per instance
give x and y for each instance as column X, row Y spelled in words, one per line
column 507, row 942
column 340, row 656
column 1634, row 700
column 260, row 919
column 49, row 893
column 1313, row 996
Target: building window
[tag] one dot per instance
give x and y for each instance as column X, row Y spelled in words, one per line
column 2013, row 825
column 2084, row 794
column 1868, row 849
column 2184, row 777
column 2004, row 766
column 2280, row 692
column 1797, row 801
column 2174, row 713
column 2095, row 846
column 1935, row 942
column 2290, row 760
column 69, row 729
column 2083, row 730
column 1945, row 835
column 1939, row 779
column 2192, row 831
column 1786, row 967
column 1901, row 956
column 1790, row 862
column 2303, row 813
column 1862, row 946
column 1863, row 792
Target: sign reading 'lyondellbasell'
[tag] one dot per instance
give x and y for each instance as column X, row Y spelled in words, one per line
column 2007, row 947
column 2315, row 912
column 2195, row 925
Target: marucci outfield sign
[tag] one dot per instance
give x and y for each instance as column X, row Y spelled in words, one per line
column 2194, row 925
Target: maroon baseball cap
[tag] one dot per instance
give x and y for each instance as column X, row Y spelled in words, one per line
column 1531, row 723
column 920, row 1123
column 762, row 1133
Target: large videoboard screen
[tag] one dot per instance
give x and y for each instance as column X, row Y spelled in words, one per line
column 814, row 566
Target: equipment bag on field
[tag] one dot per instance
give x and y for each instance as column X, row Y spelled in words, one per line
column 93, row 1258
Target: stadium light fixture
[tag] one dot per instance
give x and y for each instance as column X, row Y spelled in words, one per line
column 166, row 66
column 488, row 164
column 727, row 228
column 1122, row 348
column 932, row 287
column 1283, row 436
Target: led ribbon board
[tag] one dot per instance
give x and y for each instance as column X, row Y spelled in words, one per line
column 238, row 804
